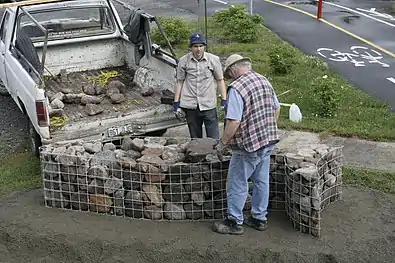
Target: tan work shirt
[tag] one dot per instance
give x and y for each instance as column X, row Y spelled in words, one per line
column 200, row 81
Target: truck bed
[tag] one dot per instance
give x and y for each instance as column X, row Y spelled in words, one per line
column 75, row 82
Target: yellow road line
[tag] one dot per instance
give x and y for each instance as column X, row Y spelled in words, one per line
column 336, row 27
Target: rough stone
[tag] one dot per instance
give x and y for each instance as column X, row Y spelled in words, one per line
column 153, row 194
column 100, row 203
column 147, row 91
column 155, row 140
column 109, row 147
column 173, row 211
column 153, row 212
column 93, row 147
column 89, row 89
column 193, row 211
column 310, row 174
column 88, row 99
column 198, row 149
column 153, row 149
column 58, row 96
column 96, row 186
column 172, row 141
column 198, row 198
column 116, row 84
column 133, row 154
column 150, row 159
column 119, row 202
column 127, row 162
column 175, row 193
column 93, row 109
column 104, row 158
column 98, row 172
column 170, row 154
column 72, row 98
column 112, row 184
column 57, row 104
column 117, row 98
column 330, row 179
column 137, row 144
column 111, row 91
column 137, row 182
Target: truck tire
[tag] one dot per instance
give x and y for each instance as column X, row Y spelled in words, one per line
column 35, row 140
column 24, row 44
column 3, row 90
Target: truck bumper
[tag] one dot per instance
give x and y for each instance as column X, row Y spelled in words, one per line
column 137, row 123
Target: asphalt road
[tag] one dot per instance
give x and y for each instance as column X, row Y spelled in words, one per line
column 367, row 67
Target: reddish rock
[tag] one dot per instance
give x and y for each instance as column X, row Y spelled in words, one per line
column 153, row 151
column 100, row 203
column 151, row 159
column 154, row 175
column 155, row 178
column 198, row 149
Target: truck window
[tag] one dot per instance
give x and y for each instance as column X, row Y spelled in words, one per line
column 3, row 29
column 67, row 23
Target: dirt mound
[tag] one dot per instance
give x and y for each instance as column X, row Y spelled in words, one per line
column 360, row 228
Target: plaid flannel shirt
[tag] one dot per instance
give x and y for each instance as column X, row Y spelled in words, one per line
column 258, row 126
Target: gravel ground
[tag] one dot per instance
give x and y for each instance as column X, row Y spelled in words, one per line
column 13, row 127
column 360, row 228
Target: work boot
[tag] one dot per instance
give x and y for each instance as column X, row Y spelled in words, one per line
column 228, row 226
column 256, row 223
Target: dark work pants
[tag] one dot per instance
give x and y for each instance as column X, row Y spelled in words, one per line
column 195, row 119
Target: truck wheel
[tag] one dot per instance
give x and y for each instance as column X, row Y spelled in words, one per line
column 24, row 44
column 3, row 90
column 158, row 133
column 35, row 140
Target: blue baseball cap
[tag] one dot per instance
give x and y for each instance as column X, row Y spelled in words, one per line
column 197, row 38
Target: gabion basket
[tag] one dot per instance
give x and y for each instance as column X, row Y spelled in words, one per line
column 159, row 178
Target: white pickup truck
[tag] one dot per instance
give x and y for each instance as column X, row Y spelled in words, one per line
column 78, row 73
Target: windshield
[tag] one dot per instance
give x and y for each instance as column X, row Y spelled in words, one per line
column 67, row 23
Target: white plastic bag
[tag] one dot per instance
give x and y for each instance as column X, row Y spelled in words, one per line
column 294, row 113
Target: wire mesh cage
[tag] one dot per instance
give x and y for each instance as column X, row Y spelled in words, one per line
column 152, row 177
column 161, row 178
column 314, row 179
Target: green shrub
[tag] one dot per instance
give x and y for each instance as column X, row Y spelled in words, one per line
column 176, row 30
column 282, row 59
column 237, row 25
column 315, row 62
column 325, row 98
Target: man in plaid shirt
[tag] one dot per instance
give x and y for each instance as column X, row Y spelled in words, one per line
column 251, row 132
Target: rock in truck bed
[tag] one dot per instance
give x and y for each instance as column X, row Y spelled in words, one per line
column 96, row 94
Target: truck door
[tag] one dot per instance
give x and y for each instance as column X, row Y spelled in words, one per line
column 3, row 47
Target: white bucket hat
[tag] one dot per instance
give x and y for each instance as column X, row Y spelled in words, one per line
column 232, row 59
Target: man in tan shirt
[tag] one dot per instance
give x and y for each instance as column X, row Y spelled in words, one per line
column 199, row 74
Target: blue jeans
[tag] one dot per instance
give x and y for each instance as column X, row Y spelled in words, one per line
column 244, row 165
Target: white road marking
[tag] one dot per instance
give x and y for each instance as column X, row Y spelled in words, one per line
column 357, row 57
column 391, row 79
column 373, row 12
column 360, row 13
column 222, row 2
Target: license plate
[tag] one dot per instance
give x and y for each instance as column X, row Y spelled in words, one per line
column 121, row 130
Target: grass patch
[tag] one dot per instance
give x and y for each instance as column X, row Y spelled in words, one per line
column 20, row 171
column 348, row 112
column 382, row 181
